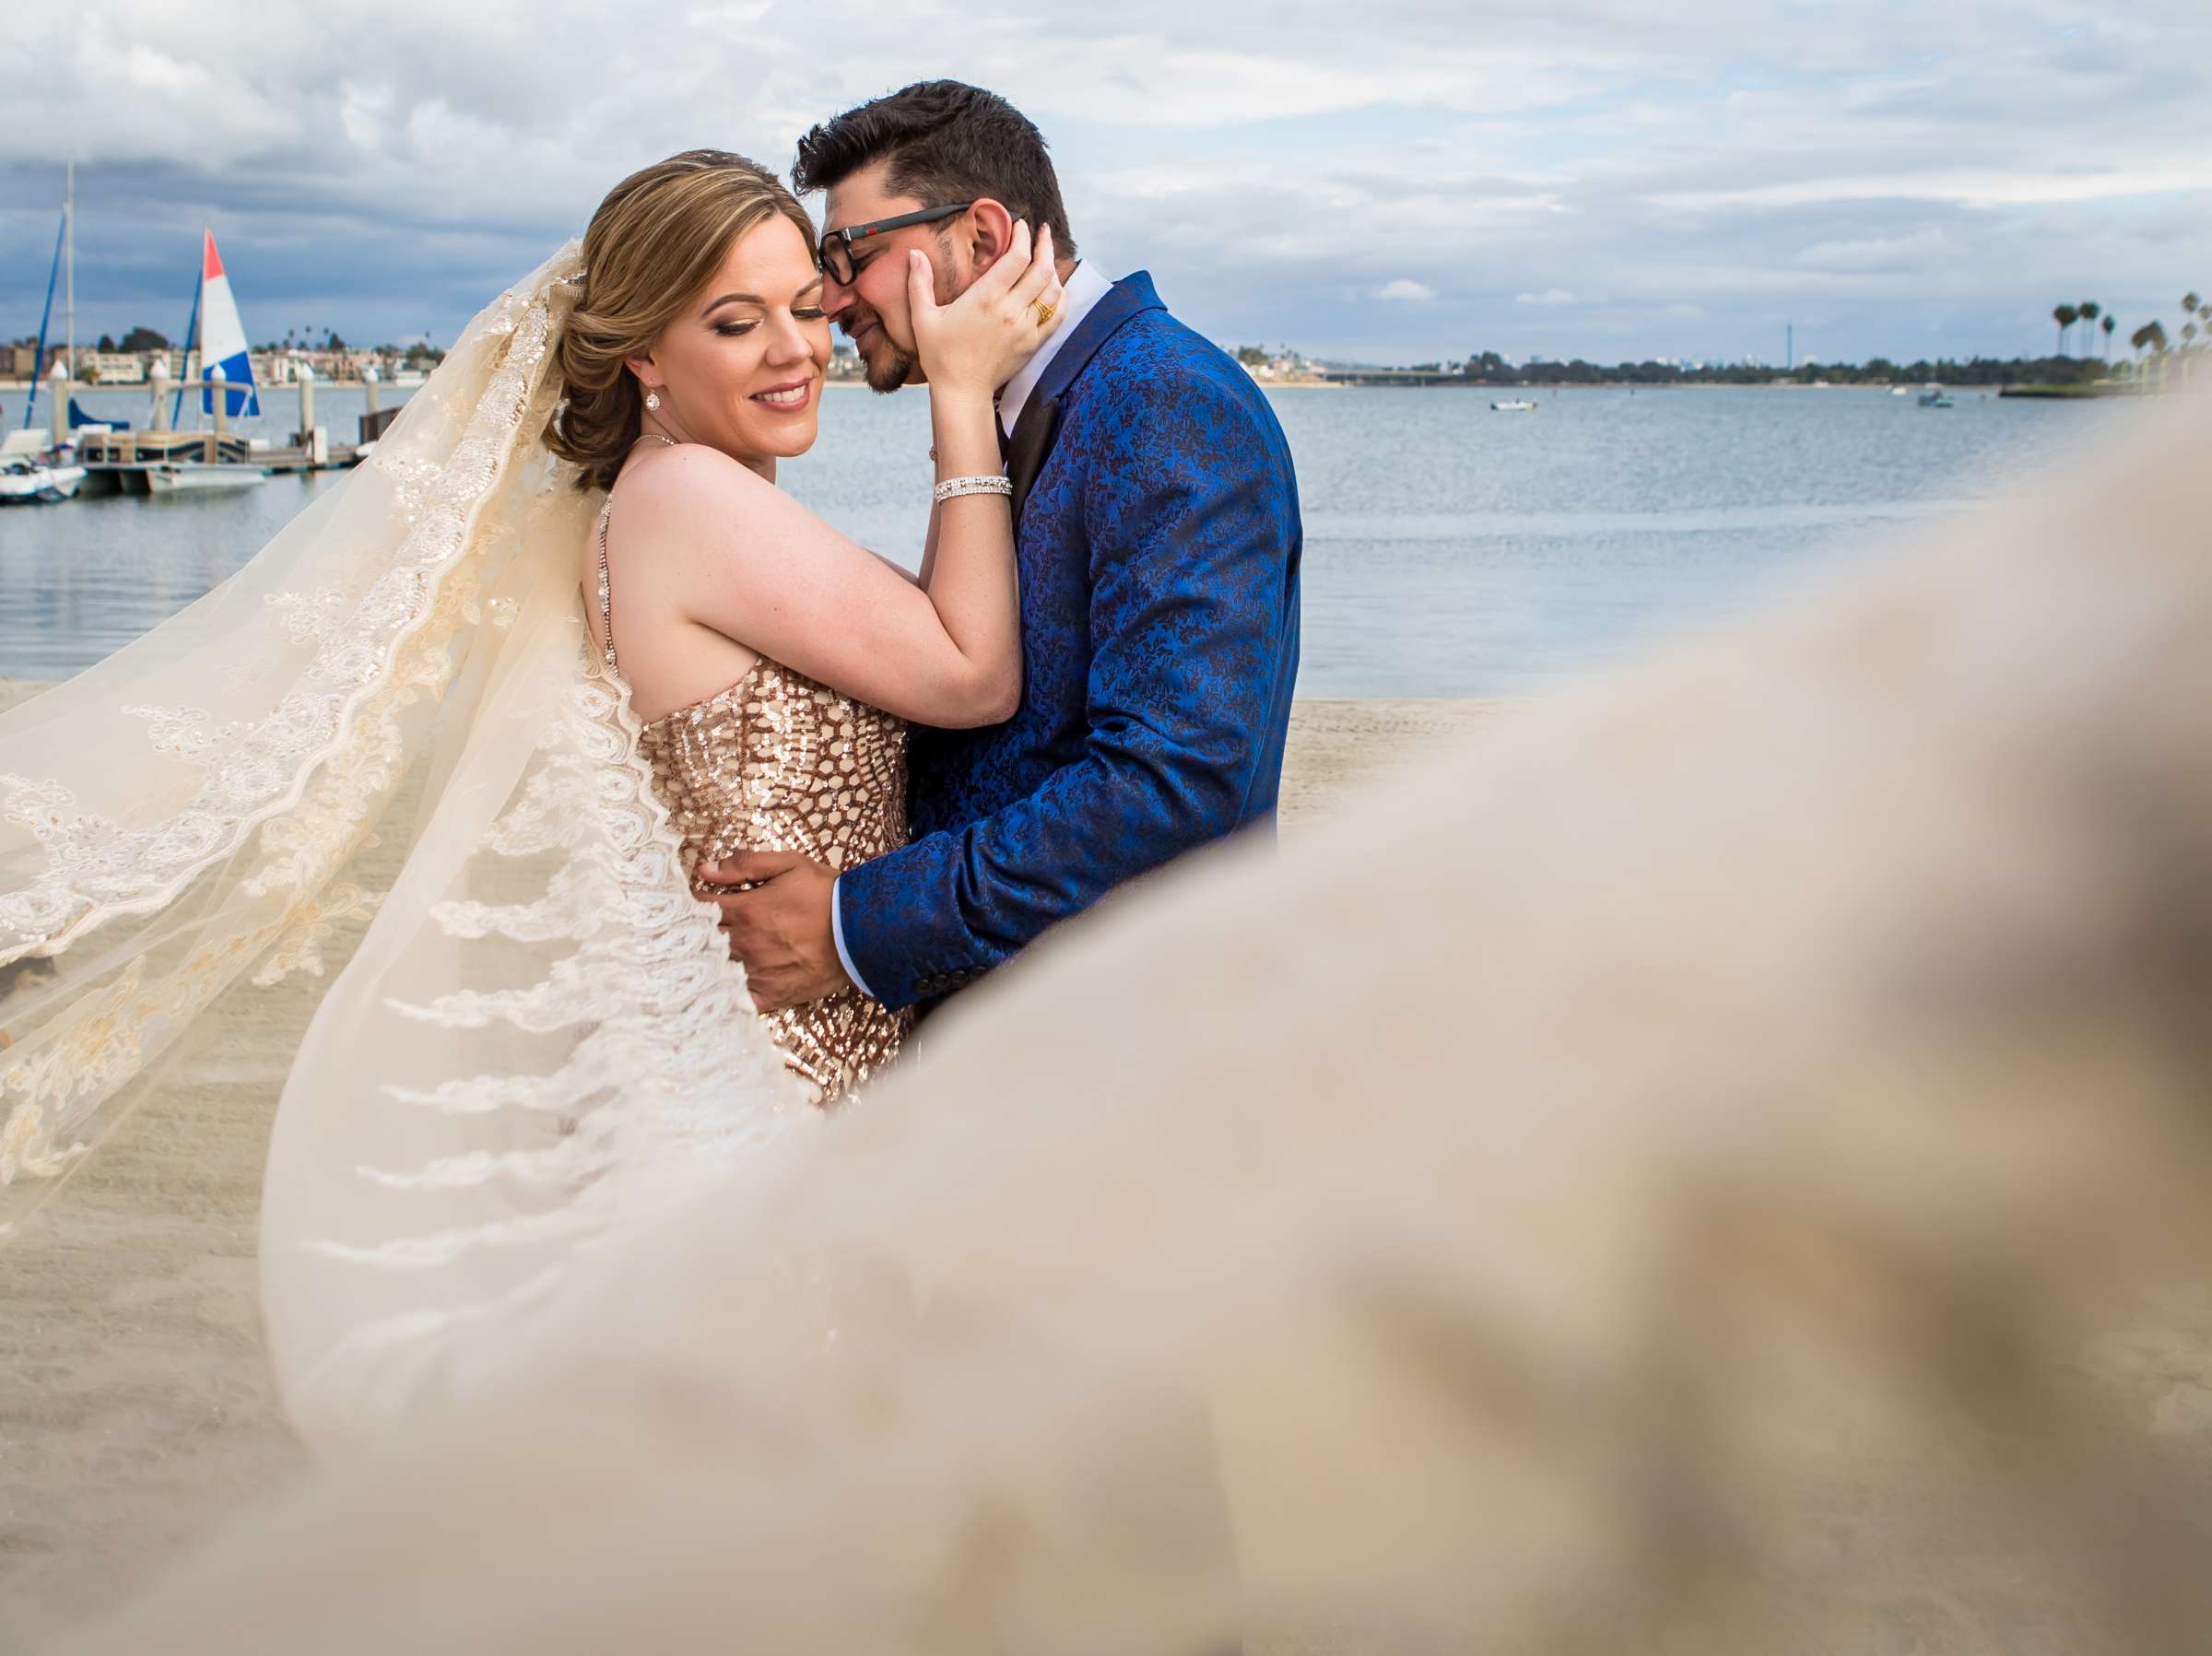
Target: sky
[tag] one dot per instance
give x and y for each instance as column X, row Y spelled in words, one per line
column 1394, row 181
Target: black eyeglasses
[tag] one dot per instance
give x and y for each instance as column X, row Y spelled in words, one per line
column 837, row 245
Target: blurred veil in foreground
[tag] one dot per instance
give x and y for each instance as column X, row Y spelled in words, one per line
column 1719, row 1166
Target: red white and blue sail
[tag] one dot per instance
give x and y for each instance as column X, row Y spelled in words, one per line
column 223, row 338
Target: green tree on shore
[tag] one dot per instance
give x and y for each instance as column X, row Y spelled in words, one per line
column 2109, row 325
column 2090, row 310
column 2151, row 337
column 2065, row 316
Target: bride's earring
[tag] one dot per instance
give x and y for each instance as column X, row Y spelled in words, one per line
column 653, row 401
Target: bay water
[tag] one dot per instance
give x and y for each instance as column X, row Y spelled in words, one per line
column 1450, row 550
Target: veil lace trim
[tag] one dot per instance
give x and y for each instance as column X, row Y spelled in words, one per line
column 540, row 1040
column 335, row 731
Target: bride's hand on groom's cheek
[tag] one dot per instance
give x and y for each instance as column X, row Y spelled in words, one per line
column 780, row 929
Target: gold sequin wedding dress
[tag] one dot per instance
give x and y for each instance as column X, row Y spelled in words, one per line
column 778, row 762
column 393, row 719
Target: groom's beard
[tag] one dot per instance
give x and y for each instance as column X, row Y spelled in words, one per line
column 884, row 365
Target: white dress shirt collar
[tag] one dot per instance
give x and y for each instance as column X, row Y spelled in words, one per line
column 1084, row 287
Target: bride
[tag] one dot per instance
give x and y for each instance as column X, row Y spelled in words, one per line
column 495, row 695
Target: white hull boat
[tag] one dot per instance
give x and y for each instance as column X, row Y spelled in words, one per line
column 1517, row 405
column 28, row 483
column 198, row 477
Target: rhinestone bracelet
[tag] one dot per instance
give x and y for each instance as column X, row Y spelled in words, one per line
column 954, row 486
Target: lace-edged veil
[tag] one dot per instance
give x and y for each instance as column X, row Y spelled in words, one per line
column 389, row 717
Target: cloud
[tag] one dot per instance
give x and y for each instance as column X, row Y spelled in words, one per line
column 1931, row 180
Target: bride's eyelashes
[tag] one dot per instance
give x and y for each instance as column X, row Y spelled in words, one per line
column 734, row 329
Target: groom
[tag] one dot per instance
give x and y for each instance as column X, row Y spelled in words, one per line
column 1157, row 538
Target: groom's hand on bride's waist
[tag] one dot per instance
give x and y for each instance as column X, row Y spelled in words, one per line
column 780, row 928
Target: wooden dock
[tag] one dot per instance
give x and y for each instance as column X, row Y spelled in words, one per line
column 119, row 461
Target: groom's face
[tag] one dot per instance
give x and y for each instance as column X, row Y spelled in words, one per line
column 872, row 307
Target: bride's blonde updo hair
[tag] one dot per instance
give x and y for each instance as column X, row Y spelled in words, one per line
column 655, row 242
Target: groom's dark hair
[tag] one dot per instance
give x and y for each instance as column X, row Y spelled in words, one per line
column 946, row 141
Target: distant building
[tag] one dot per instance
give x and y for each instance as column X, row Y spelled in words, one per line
column 283, row 366
column 20, row 362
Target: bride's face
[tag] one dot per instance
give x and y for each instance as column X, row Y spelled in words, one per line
column 742, row 369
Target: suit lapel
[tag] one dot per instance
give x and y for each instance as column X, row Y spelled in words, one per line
column 1031, row 442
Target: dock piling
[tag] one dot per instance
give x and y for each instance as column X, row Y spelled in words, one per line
column 308, row 439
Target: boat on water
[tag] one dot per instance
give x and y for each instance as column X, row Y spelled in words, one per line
column 226, row 371
column 1900, row 391
column 28, row 481
column 1933, row 395
column 1513, row 405
column 197, row 477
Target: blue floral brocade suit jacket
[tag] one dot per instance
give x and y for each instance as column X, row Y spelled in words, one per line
column 1158, row 540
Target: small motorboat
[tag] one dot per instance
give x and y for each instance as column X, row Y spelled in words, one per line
column 1934, row 396
column 36, row 482
column 194, row 477
column 1900, row 391
column 1515, row 405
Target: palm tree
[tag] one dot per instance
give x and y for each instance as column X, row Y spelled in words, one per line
column 2150, row 336
column 2088, row 310
column 2065, row 316
column 2188, row 351
column 2108, row 325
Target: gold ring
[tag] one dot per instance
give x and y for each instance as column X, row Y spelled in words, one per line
column 1045, row 314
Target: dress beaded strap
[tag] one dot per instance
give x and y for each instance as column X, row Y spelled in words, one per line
column 606, row 612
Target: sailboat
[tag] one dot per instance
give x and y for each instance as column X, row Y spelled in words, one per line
column 30, row 473
column 224, row 356
column 223, row 338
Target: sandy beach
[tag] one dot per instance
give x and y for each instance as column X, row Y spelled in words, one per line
column 138, row 1412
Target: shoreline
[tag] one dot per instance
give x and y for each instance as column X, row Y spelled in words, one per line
column 145, row 1416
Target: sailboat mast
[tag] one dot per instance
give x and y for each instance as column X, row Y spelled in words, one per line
column 69, row 233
